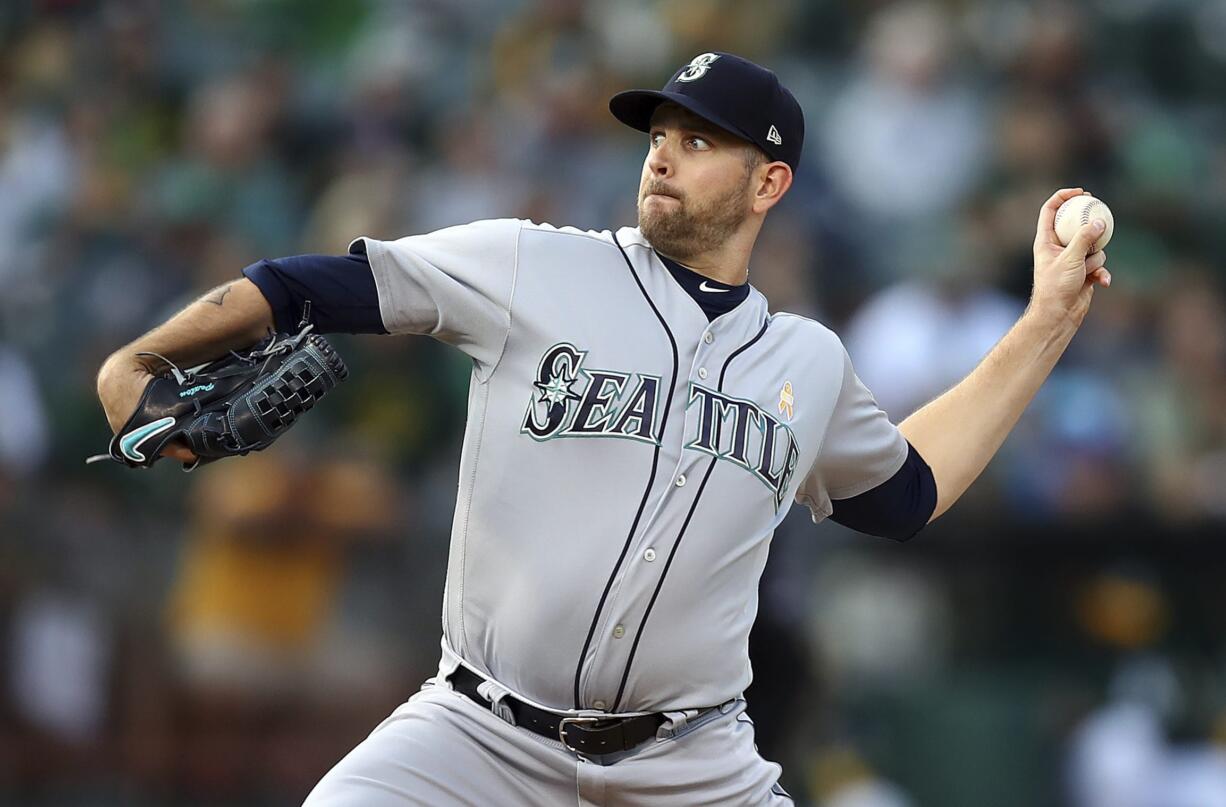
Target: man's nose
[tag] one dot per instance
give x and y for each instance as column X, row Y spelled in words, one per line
column 660, row 160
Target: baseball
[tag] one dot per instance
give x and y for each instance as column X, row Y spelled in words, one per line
column 1079, row 211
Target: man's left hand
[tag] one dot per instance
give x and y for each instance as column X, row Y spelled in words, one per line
column 1065, row 276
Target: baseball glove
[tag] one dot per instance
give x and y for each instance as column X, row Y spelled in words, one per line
column 239, row 403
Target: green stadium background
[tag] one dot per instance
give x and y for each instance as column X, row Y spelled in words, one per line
column 224, row 637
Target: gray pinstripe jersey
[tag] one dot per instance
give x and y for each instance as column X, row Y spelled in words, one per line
column 625, row 461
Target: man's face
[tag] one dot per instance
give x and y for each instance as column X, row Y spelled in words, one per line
column 695, row 189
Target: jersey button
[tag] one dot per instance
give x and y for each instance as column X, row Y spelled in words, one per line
column 702, row 372
column 680, row 480
column 649, row 555
column 619, row 631
column 599, row 704
column 708, row 337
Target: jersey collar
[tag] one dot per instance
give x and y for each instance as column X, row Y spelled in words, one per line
column 713, row 297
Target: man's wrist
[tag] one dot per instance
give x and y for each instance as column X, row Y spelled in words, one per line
column 1053, row 316
column 1053, row 326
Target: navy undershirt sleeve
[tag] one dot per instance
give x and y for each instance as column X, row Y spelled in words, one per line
column 897, row 508
column 340, row 288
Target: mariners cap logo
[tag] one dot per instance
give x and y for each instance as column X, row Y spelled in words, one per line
column 787, row 399
column 698, row 68
column 773, row 136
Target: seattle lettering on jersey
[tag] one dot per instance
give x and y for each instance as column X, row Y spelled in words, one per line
column 601, row 409
column 607, row 404
column 755, row 440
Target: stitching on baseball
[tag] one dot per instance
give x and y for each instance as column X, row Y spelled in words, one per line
column 1085, row 212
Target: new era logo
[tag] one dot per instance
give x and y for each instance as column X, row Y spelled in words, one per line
column 773, row 136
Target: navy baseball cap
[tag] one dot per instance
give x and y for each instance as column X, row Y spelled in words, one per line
column 735, row 94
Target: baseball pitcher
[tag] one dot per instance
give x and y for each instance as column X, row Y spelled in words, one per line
column 639, row 423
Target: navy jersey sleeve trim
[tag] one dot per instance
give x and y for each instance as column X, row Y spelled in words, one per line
column 340, row 288
column 897, row 508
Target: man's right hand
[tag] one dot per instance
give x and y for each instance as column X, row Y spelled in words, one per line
column 225, row 407
column 121, row 382
column 229, row 317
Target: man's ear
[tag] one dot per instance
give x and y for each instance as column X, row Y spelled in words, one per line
column 774, row 180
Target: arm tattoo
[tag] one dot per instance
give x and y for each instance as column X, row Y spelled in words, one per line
column 218, row 294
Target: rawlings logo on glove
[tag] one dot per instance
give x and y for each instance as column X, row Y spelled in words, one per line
column 234, row 405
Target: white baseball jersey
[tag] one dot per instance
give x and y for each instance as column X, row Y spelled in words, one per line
column 626, row 461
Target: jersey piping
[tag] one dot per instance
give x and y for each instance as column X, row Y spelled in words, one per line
column 651, row 479
column 621, row 688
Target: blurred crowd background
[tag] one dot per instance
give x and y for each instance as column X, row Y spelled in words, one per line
column 224, row 637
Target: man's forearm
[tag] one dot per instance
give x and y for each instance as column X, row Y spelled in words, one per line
column 960, row 431
column 231, row 316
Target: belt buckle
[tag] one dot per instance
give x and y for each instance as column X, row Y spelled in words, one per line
column 578, row 719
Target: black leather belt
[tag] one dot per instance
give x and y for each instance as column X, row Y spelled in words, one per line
column 592, row 736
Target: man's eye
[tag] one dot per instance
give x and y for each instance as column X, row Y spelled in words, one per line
column 656, row 137
column 699, row 143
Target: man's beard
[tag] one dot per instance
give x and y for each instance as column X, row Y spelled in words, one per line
column 690, row 230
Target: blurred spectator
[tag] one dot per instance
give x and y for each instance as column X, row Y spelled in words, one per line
column 1181, row 404
column 470, row 180
column 1121, row 757
column 904, row 140
column 261, row 569
column 913, row 340
column 253, row 618
column 62, row 649
column 37, row 173
column 876, row 625
column 23, row 427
